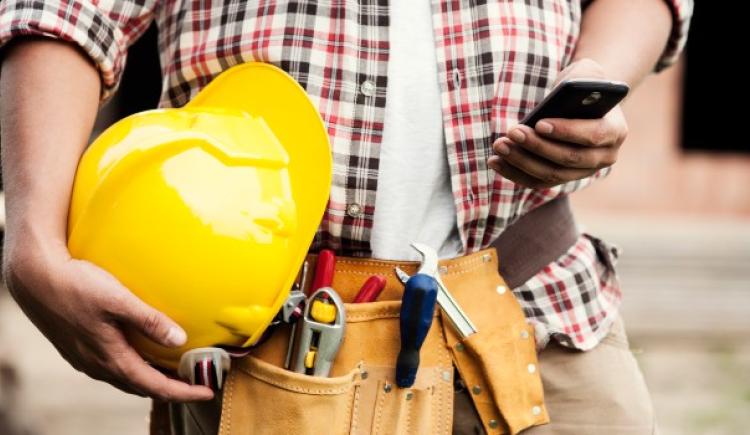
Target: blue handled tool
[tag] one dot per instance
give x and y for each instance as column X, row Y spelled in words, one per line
column 417, row 311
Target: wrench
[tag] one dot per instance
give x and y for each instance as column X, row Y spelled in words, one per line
column 429, row 266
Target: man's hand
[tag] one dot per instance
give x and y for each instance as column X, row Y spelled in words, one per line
column 82, row 309
column 44, row 128
column 556, row 151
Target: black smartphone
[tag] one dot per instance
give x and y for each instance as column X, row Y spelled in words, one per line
column 578, row 99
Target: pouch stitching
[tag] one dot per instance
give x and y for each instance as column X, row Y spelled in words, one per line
column 466, row 264
column 319, row 391
column 446, row 361
column 464, row 268
column 228, row 392
column 408, row 411
column 379, row 407
column 376, row 263
column 353, row 271
column 378, row 315
column 459, row 263
column 355, row 411
column 349, row 402
column 383, row 314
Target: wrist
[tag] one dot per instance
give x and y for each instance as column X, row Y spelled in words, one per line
column 31, row 251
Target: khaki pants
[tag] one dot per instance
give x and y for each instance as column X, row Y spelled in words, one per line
column 601, row 391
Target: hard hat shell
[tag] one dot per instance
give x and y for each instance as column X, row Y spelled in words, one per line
column 206, row 212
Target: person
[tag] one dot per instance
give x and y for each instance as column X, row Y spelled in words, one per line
column 422, row 102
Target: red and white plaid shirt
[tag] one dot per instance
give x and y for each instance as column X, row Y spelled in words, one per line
column 496, row 60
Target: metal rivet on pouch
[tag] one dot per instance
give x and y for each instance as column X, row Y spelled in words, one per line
column 409, row 395
column 447, row 376
column 476, row 389
column 486, row 258
column 387, row 387
column 459, row 347
column 501, row 289
column 443, row 270
column 493, row 423
column 364, row 375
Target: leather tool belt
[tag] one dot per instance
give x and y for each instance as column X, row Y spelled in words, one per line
column 498, row 364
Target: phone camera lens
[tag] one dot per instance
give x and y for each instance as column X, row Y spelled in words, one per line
column 592, row 98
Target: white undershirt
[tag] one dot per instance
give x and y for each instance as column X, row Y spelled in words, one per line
column 414, row 201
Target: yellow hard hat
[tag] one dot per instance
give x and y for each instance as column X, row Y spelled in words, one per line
column 206, row 212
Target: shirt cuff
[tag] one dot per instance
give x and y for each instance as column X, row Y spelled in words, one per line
column 681, row 10
column 76, row 21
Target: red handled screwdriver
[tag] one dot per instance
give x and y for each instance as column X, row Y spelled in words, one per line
column 370, row 290
column 323, row 270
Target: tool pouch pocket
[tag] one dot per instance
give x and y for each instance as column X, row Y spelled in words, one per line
column 403, row 411
column 260, row 398
column 360, row 397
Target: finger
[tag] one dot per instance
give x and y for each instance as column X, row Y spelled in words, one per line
column 601, row 132
column 551, row 174
column 140, row 376
column 154, row 324
column 125, row 388
column 514, row 174
column 563, row 154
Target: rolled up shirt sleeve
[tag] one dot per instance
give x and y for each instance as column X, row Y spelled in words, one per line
column 102, row 29
column 682, row 11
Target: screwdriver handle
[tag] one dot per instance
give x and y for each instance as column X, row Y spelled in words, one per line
column 371, row 289
column 417, row 311
column 323, row 270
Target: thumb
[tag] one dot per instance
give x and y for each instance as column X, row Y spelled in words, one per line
column 151, row 322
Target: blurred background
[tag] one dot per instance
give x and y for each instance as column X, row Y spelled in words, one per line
column 677, row 203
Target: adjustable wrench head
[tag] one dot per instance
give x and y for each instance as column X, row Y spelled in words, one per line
column 429, row 264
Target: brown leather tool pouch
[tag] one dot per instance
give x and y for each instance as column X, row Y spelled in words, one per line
column 360, row 397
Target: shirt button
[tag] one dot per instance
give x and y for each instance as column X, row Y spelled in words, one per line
column 354, row 210
column 501, row 289
column 536, row 410
column 532, row 368
column 524, row 334
column 367, row 88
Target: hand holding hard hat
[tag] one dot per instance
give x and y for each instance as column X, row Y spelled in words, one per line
column 206, row 212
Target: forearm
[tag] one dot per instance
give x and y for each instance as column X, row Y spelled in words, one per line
column 49, row 94
column 626, row 37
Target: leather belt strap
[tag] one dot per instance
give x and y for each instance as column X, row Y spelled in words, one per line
column 535, row 240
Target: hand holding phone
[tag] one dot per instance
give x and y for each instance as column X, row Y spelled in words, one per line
column 582, row 132
column 578, row 99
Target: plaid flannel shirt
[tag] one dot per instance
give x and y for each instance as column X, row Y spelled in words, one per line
column 496, row 60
